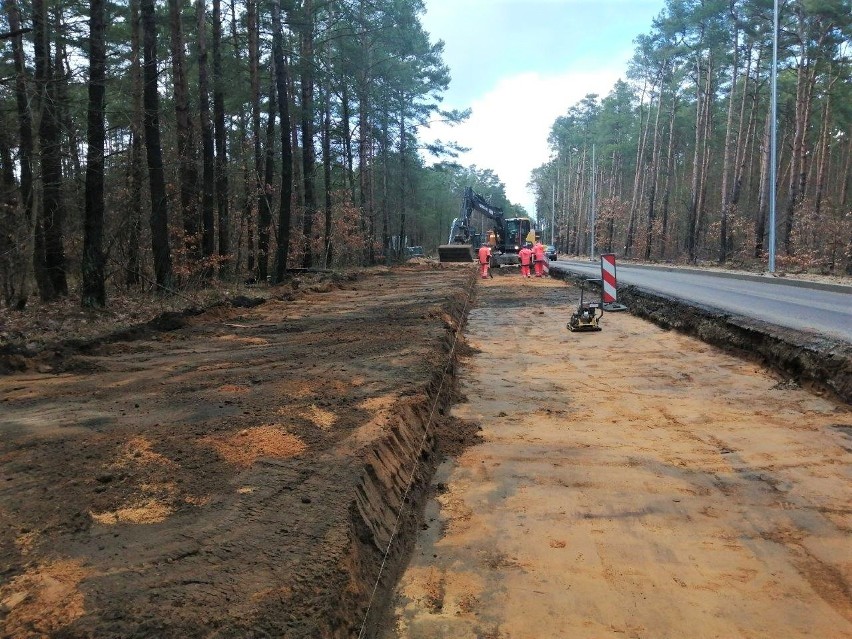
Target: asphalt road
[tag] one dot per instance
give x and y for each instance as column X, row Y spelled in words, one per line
column 799, row 306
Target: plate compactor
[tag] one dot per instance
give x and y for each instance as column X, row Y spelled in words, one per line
column 588, row 315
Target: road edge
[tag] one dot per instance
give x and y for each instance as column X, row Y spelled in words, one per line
column 734, row 275
column 819, row 363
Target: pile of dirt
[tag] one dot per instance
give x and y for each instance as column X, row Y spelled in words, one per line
column 241, row 474
column 250, row 444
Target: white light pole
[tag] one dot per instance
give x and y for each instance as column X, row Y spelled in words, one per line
column 773, row 137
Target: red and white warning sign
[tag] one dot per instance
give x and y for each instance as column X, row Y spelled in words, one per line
column 608, row 277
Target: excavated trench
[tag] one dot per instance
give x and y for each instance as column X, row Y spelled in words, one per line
column 297, row 544
column 816, row 362
column 391, row 493
column 630, row 482
column 241, row 472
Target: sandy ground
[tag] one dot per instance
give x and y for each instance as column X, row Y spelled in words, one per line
column 631, row 483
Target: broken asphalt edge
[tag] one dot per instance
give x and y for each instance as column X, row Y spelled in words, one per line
column 813, row 361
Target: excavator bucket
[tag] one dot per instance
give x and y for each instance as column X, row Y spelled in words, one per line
column 455, row 253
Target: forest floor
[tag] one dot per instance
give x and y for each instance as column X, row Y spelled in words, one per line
column 240, row 471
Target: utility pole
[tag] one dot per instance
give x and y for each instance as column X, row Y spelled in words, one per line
column 773, row 138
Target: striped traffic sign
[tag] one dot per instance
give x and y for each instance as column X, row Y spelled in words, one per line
column 608, row 277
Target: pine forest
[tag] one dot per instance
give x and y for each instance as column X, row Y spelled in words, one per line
column 167, row 145
column 676, row 158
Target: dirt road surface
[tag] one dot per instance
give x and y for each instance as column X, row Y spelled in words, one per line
column 231, row 474
column 631, row 483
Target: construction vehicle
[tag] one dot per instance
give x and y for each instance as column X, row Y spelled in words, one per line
column 506, row 235
column 588, row 315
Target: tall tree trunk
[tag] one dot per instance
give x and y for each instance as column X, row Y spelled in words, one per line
column 94, row 287
column 383, row 146
column 701, row 162
column 664, row 224
column 640, row 160
column 745, row 134
column 264, row 195
column 25, row 146
column 187, row 166
column 326, row 168
column 346, row 127
column 53, row 282
column 282, row 83
column 727, row 161
column 805, row 80
column 654, row 177
column 136, row 171
column 69, row 142
column 42, row 75
column 764, row 190
column 822, row 172
column 156, row 176
column 308, row 159
column 254, row 74
column 403, row 171
column 298, row 177
column 9, row 215
column 846, row 178
column 700, row 223
column 568, row 187
column 844, row 200
column 208, row 193
column 580, row 205
column 221, row 144
column 245, row 219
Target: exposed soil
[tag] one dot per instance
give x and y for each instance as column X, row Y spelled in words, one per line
column 818, row 362
column 633, row 482
column 821, row 363
column 242, row 472
column 236, row 472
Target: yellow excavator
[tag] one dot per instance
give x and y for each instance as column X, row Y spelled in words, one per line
column 506, row 235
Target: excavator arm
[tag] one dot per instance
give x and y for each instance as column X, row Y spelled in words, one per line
column 459, row 246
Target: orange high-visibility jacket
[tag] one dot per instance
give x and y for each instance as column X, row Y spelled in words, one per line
column 525, row 256
column 484, row 254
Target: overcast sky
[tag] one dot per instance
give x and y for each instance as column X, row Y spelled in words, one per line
column 519, row 64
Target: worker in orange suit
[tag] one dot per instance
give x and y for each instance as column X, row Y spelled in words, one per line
column 525, row 255
column 484, row 260
column 538, row 256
